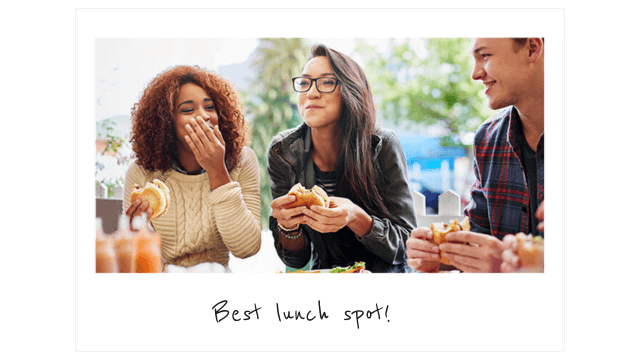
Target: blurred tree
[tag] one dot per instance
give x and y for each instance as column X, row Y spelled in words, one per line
column 272, row 106
column 111, row 140
column 432, row 89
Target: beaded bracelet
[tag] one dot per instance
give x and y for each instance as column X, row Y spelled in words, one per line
column 291, row 237
column 286, row 231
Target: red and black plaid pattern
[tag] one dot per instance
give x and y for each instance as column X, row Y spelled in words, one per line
column 500, row 197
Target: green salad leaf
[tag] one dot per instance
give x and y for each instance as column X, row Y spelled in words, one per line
column 339, row 269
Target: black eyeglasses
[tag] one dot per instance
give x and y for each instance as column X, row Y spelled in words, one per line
column 324, row 84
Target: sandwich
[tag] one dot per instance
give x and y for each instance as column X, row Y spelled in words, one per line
column 440, row 231
column 531, row 252
column 156, row 193
column 314, row 196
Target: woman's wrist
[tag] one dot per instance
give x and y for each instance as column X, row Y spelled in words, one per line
column 291, row 240
column 362, row 223
column 282, row 227
column 215, row 181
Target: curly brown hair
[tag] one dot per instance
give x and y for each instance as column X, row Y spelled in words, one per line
column 153, row 136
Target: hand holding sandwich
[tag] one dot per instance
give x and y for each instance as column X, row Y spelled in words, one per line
column 473, row 252
column 287, row 209
column 510, row 259
column 138, row 207
column 288, row 217
column 342, row 212
column 320, row 212
column 525, row 253
column 422, row 253
column 423, row 248
column 153, row 199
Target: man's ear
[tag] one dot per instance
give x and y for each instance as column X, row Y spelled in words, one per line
column 535, row 46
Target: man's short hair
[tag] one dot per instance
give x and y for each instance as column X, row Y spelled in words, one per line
column 518, row 43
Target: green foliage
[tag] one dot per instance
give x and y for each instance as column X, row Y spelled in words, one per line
column 271, row 106
column 114, row 142
column 435, row 89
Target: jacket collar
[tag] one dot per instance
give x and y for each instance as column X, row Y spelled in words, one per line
column 296, row 149
column 297, row 142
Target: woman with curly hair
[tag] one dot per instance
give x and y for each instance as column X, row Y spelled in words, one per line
column 189, row 132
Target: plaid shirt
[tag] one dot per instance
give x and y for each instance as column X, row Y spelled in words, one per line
column 500, row 196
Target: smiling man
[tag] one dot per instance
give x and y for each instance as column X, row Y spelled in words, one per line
column 508, row 161
column 512, row 71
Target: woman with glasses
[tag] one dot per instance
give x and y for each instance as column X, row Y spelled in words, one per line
column 361, row 167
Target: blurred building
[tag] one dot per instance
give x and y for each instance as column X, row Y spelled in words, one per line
column 434, row 169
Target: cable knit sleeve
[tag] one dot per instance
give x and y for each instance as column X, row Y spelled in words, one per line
column 236, row 208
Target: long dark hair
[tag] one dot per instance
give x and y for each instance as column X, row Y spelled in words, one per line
column 361, row 178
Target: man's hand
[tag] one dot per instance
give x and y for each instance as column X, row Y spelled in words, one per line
column 482, row 254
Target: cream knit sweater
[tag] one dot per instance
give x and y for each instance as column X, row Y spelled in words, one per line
column 203, row 226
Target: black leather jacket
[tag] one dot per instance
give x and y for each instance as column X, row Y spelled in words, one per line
column 383, row 249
